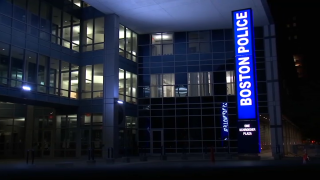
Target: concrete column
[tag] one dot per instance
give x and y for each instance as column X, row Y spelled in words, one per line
column 273, row 92
column 111, row 84
column 29, row 127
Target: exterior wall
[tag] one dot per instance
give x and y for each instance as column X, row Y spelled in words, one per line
column 193, row 124
column 93, row 116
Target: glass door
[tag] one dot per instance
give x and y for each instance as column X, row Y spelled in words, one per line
column 46, row 147
column 156, row 142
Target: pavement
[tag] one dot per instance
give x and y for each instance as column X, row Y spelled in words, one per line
column 156, row 168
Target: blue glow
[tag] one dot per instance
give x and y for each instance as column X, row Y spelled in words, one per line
column 245, row 68
column 26, row 88
column 224, row 122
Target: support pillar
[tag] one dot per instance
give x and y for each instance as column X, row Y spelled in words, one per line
column 111, row 85
column 29, row 128
column 274, row 108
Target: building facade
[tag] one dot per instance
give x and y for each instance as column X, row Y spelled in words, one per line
column 74, row 78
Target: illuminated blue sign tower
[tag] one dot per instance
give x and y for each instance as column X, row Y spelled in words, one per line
column 249, row 142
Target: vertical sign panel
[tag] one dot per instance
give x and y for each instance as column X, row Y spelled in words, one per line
column 248, row 119
column 245, row 68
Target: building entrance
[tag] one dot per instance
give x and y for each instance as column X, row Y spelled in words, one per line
column 156, row 142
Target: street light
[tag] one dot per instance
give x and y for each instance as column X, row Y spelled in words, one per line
column 120, row 102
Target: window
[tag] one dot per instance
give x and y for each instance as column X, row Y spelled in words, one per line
column 99, row 33
column 42, row 73
column 162, row 44
column 230, row 79
column 56, row 25
column 199, row 42
column 94, row 32
column 74, row 80
column 86, row 82
column 162, row 85
column 127, row 43
column 17, row 67
column 127, row 86
column 4, row 59
column 131, row 87
column 65, row 78
column 98, row 81
column 121, row 84
column 75, row 39
column 200, row 84
column 54, row 73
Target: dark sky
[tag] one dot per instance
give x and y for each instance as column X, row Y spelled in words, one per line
column 305, row 111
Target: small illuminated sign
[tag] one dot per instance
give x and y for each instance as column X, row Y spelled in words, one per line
column 247, row 130
column 244, row 55
column 224, row 121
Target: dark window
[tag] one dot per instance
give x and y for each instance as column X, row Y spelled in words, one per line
column 219, row 77
column 217, row 35
column 218, row 46
column 144, row 39
column 180, row 37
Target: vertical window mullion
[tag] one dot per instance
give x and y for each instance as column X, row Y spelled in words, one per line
column 59, row 83
column 125, row 42
column 92, row 71
column 93, row 36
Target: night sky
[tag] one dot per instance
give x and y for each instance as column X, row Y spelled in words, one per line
column 301, row 98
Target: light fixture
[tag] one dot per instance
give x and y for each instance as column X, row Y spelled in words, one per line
column 120, row 102
column 26, row 88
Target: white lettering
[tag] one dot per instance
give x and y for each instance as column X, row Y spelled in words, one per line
column 247, row 133
column 244, row 69
column 241, row 77
column 242, row 50
column 243, row 41
column 244, row 61
column 245, row 22
column 246, row 84
column 245, row 102
column 241, row 15
column 245, row 93
column 225, row 119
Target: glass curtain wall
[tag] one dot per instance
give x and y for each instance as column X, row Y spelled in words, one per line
column 128, row 46
column 94, row 34
column 49, row 23
column 41, row 73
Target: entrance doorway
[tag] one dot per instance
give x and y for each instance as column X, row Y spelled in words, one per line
column 156, row 141
column 46, row 148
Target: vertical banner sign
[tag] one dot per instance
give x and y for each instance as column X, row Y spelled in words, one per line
column 245, row 79
column 224, row 122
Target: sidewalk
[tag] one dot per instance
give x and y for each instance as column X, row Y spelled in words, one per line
column 83, row 162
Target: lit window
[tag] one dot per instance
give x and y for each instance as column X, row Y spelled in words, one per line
column 230, row 78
